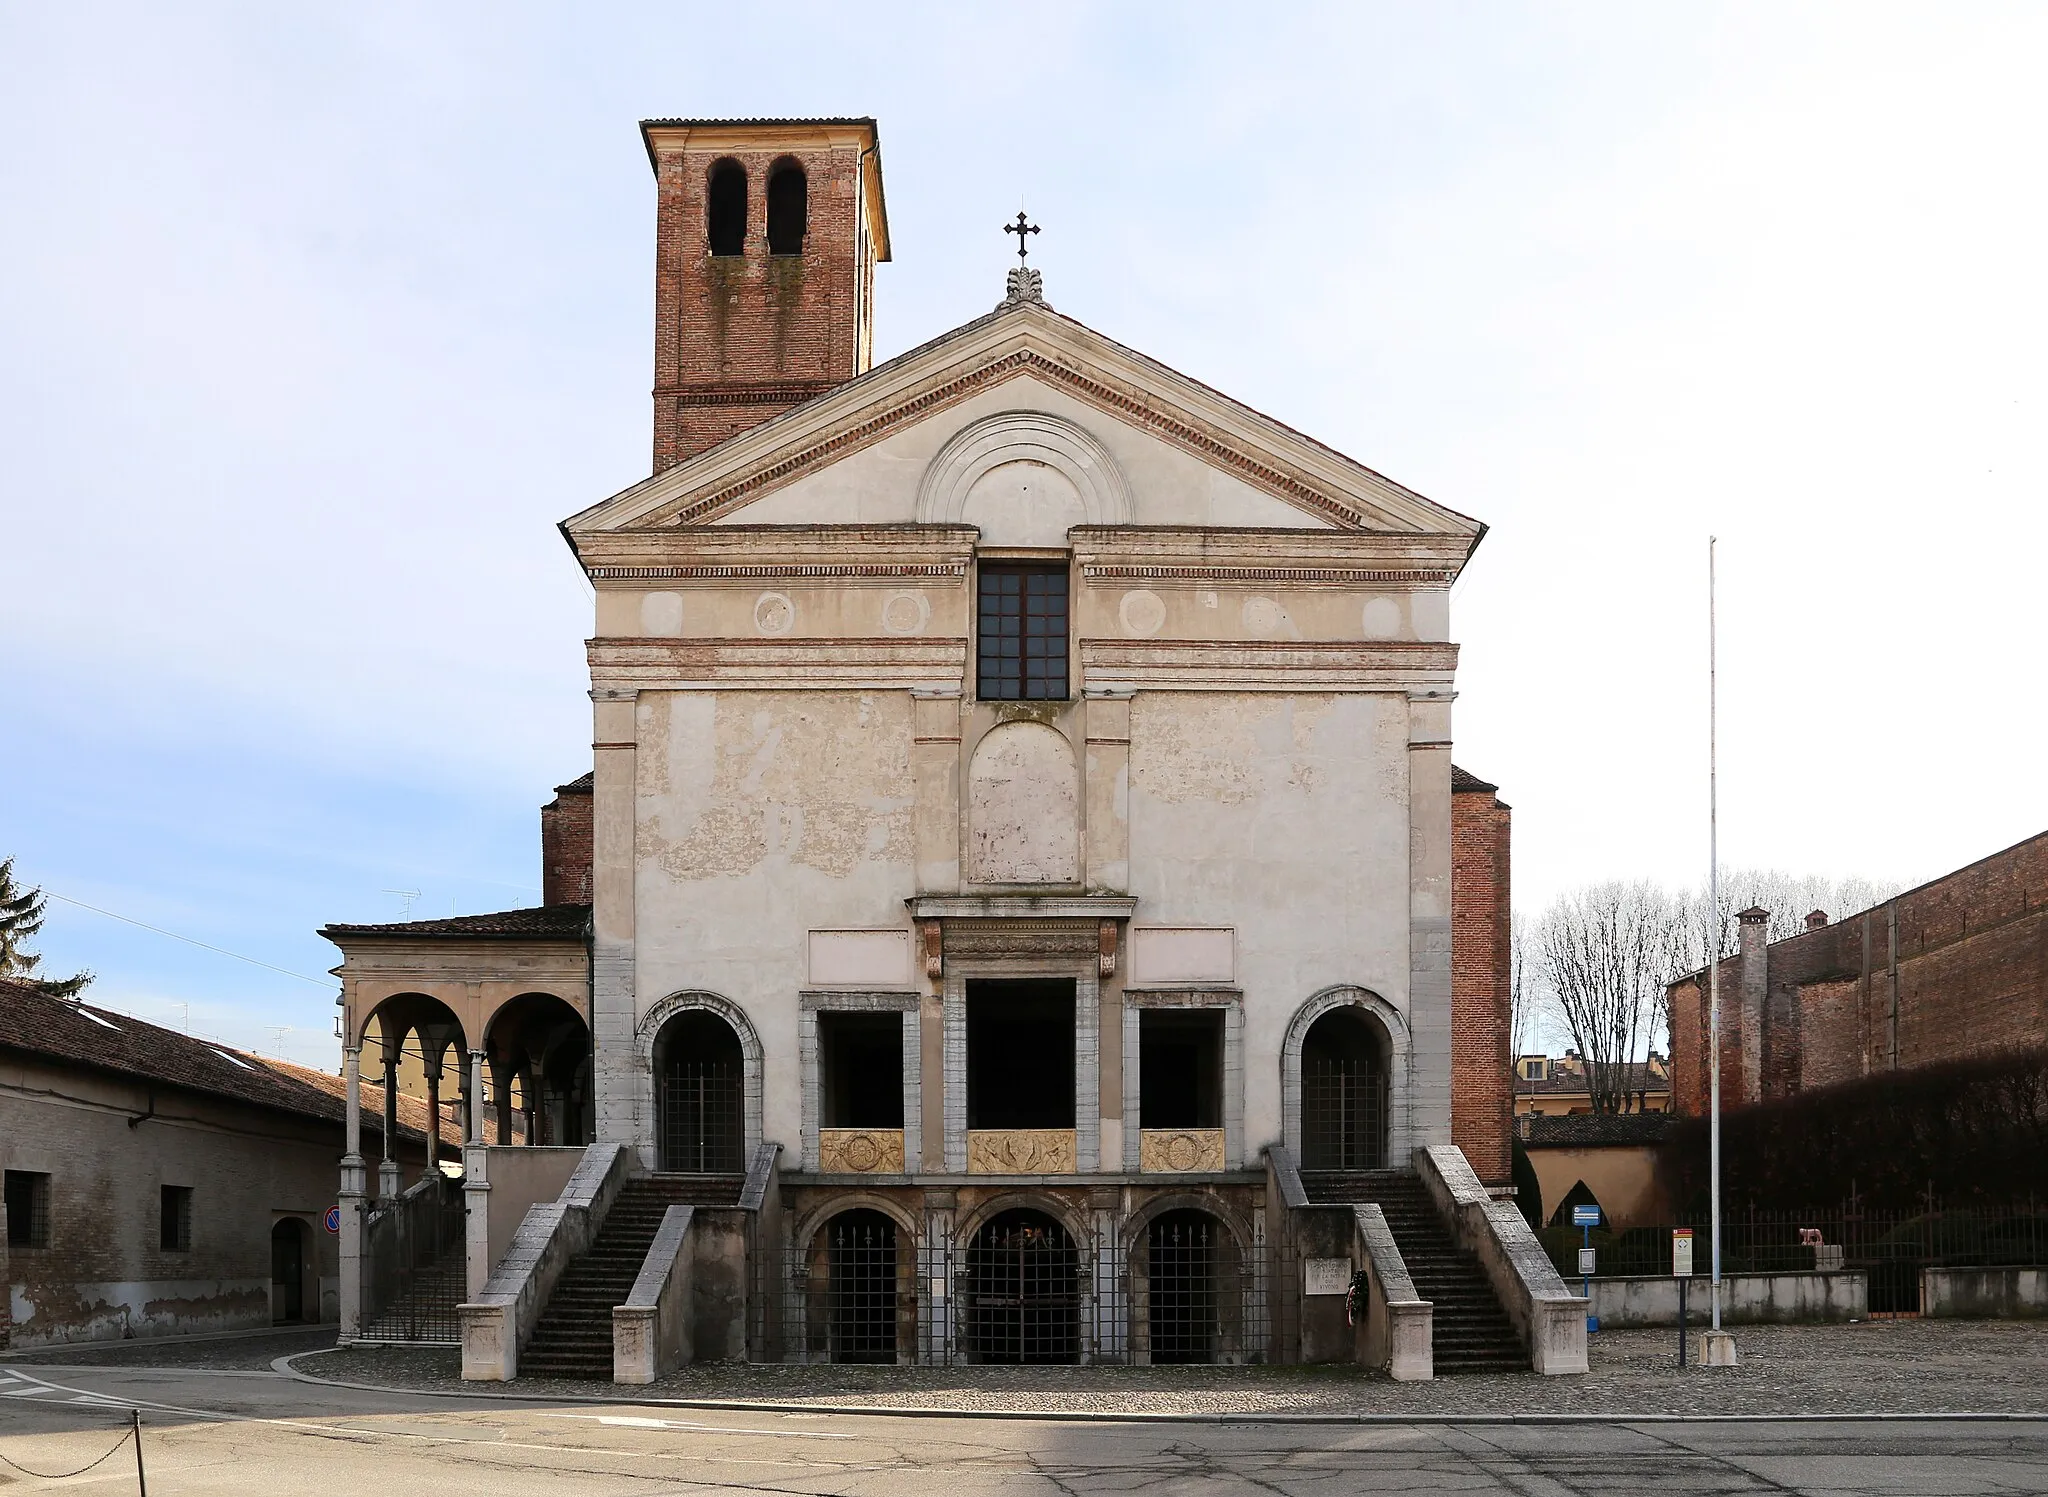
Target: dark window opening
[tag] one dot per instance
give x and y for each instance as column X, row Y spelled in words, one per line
column 860, row 1287
column 1022, row 634
column 860, row 1064
column 1343, row 1094
column 27, row 1194
column 1180, row 1068
column 174, row 1219
column 702, row 1096
column 725, row 216
column 1022, row 1292
column 287, row 1272
column 788, row 209
column 1020, row 1054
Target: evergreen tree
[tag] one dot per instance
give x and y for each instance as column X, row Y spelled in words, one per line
column 21, row 916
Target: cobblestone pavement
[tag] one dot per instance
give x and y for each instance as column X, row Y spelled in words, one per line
column 1876, row 1367
column 252, row 1352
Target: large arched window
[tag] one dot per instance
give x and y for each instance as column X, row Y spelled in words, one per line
column 788, row 208
column 725, row 209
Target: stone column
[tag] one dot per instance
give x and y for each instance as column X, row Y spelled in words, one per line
column 476, row 1180
column 501, row 1094
column 433, row 1070
column 353, row 1181
column 1428, row 1119
column 389, row 1179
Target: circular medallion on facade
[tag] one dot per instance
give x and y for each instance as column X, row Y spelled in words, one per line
column 861, row 1152
column 1183, row 1152
column 1142, row 613
column 906, row 613
column 774, row 613
column 1382, row 618
column 1261, row 617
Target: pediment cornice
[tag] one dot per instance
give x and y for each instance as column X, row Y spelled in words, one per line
column 1026, row 341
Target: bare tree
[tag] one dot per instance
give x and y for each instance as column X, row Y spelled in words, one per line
column 1604, row 955
column 1521, row 1014
column 1789, row 897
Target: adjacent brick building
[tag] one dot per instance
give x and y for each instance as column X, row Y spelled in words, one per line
column 1481, row 972
column 1954, row 968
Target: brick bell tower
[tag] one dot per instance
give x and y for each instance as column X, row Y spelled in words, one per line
column 766, row 239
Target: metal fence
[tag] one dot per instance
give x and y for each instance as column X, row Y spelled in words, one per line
column 414, row 1264
column 1891, row 1247
column 1021, row 1292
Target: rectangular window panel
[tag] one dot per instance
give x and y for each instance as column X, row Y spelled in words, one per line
column 28, row 1209
column 1022, row 631
column 175, row 1231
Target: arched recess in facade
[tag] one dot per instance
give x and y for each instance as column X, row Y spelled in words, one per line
column 855, row 1276
column 701, row 1065
column 1024, row 1284
column 414, row 1029
column 1352, row 1109
column 1193, row 1294
column 538, row 1050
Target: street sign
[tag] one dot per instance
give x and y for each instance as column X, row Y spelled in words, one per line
column 1586, row 1269
column 1681, row 1252
column 332, row 1220
column 1585, row 1216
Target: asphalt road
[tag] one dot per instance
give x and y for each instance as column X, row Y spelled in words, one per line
column 217, row 1431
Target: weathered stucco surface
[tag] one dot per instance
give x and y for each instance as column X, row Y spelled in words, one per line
column 1285, row 817
column 1023, row 807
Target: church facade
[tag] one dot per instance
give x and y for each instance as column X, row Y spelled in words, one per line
column 1021, row 811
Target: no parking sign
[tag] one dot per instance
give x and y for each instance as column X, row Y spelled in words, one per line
column 332, row 1220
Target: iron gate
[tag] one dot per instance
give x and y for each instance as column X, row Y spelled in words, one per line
column 703, row 1129
column 1343, row 1114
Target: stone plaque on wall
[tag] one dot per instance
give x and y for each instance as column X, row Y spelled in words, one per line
column 1180, row 1149
column 1163, row 955
column 860, row 959
column 1325, row 1275
column 1021, row 1151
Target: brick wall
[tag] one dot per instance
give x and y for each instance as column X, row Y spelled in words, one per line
column 1481, row 973
column 1954, row 968
column 741, row 338
column 565, row 841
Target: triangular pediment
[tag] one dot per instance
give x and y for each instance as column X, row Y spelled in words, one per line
column 876, row 445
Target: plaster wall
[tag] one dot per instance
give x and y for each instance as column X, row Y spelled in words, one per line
column 1286, row 817
column 879, row 484
column 104, row 1273
column 1623, row 1180
column 762, row 816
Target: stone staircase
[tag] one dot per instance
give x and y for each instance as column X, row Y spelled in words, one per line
column 1469, row 1330
column 574, row 1335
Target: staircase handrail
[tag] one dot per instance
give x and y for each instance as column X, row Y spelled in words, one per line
column 651, row 1330
column 1287, row 1175
column 1550, row 1319
column 497, row 1323
column 1396, row 1326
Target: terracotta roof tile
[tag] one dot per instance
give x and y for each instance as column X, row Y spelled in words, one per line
column 566, row 921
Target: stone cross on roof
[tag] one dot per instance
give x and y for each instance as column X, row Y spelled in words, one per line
column 1024, row 283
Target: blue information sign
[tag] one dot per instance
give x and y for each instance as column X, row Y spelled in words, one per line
column 1585, row 1216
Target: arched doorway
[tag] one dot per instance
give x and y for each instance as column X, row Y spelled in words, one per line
column 288, row 1255
column 1344, row 1088
column 863, row 1283
column 1022, row 1292
column 700, row 1095
column 1188, row 1257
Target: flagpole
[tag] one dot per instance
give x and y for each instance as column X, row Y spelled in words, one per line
column 1714, row 938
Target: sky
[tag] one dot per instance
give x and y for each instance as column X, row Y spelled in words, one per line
column 315, row 320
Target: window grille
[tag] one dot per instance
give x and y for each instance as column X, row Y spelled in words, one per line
column 174, row 1219
column 27, row 1193
column 1022, row 634
column 1343, row 1113
column 861, row 1287
column 1184, row 1272
column 1021, row 1292
column 702, row 1117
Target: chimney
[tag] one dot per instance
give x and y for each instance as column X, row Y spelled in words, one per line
column 1755, row 982
column 1815, row 919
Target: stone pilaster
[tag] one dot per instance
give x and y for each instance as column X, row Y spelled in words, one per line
column 1429, row 922
column 935, row 780
column 615, row 1069
column 1108, row 818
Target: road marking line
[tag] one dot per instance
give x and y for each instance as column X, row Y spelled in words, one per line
column 635, row 1421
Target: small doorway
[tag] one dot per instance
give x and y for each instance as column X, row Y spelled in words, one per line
column 288, row 1271
column 861, row 1287
column 1183, row 1268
